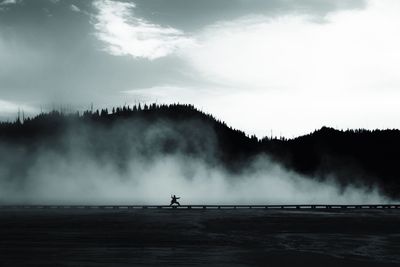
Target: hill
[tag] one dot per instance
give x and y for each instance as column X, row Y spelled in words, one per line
column 350, row 157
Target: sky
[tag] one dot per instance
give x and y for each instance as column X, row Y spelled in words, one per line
column 280, row 67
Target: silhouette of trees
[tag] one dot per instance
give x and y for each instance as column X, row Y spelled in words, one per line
column 359, row 155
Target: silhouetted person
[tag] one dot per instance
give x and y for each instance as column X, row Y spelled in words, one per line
column 174, row 200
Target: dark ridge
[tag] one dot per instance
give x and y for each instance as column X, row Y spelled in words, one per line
column 361, row 156
column 351, row 156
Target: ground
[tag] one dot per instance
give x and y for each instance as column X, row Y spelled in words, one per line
column 199, row 237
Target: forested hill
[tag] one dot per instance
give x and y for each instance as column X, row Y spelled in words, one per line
column 353, row 156
column 368, row 157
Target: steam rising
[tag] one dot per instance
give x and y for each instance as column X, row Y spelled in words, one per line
column 125, row 164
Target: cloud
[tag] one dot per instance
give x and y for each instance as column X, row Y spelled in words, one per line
column 352, row 50
column 8, row 2
column 75, row 8
column 124, row 34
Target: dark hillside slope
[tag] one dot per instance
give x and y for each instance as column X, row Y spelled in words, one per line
column 354, row 156
column 350, row 156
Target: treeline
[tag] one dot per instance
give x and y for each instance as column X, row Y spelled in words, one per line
column 351, row 156
column 368, row 157
column 231, row 147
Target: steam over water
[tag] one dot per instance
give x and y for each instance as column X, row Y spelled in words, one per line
column 124, row 164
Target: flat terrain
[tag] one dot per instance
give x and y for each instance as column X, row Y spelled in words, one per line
column 243, row 237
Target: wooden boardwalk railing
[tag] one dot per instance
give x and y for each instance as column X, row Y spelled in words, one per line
column 188, row 207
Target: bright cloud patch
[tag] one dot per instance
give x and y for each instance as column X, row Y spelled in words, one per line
column 8, row 2
column 352, row 50
column 125, row 34
column 75, row 8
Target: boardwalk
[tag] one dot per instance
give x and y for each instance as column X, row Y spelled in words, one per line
column 188, row 207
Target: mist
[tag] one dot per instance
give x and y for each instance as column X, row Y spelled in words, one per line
column 141, row 162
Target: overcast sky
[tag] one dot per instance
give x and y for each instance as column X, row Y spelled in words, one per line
column 283, row 65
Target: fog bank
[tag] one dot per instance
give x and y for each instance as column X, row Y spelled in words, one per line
column 125, row 164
